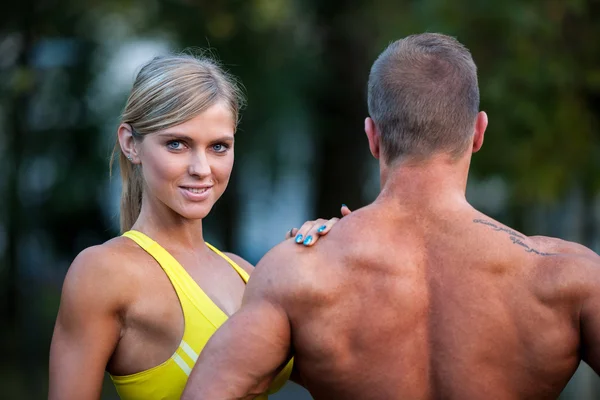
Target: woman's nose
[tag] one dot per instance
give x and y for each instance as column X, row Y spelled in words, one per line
column 199, row 164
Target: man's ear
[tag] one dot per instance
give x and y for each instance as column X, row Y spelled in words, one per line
column 127, row 143
column 373, row 136
column 480, row 125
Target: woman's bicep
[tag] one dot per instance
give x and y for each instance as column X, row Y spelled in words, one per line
column 78, row 358
column 85, row 335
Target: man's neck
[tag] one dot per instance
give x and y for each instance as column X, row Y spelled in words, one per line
column 438, row 180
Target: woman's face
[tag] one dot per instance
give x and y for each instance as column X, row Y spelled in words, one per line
column 187, row 167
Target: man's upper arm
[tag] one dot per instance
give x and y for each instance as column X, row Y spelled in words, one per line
column 86, row 331
column 590, row 320
column 244, row 355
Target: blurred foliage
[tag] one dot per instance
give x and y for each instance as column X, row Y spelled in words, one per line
column 304, row 65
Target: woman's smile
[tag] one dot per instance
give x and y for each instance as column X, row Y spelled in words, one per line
column 196, row 193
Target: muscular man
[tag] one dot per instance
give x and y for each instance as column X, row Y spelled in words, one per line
column 418, row 295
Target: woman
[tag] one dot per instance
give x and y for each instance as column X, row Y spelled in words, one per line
column 142, row 306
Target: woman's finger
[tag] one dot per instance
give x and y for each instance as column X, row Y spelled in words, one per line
column 308, row 231
column 291, row 233
column 345, row 210
column 319, row 230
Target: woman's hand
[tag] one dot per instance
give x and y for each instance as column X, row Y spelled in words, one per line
column 310, row 232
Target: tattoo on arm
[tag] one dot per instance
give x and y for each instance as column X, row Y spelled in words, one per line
column 515, row 237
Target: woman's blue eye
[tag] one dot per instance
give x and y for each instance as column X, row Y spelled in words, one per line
column 174, row 145
column 220, row 147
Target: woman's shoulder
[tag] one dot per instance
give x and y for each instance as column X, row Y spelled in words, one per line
column 113, row 255
column 101, row 272
column 245, row 265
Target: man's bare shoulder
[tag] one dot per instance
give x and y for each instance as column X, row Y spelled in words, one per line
column 288, row 260
column 288, row 271
column 569, row 264
column 562, row 247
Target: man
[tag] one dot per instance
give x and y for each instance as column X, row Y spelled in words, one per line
column 418, row 295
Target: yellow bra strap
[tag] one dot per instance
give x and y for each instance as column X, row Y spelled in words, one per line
column 146, row 243
column 239, row 269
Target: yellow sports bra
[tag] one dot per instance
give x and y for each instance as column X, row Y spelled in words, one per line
column 201, row 316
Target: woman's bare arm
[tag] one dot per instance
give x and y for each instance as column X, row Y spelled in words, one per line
column 87, row 327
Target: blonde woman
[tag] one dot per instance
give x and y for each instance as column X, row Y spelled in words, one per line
column 142, row 305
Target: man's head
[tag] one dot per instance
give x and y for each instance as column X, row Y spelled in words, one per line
column 424, row 100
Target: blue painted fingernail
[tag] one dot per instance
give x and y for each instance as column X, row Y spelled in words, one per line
column 321, row 229
column 299, row 238
column 343, row 205
column 308, row 240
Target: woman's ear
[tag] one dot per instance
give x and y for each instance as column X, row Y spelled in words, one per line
column 127, row 143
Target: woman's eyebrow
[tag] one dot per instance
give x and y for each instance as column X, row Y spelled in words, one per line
column 224, row 138
column 181, row 136
column 176, row 136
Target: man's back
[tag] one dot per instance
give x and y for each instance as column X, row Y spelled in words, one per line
column 437, row 304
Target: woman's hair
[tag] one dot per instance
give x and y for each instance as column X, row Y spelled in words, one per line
column 168, row 91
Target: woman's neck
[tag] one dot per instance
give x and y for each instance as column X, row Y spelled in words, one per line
column 168, row 228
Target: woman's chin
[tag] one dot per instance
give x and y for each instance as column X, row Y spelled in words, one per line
column 193, row 213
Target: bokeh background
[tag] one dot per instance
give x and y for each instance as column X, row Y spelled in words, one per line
column 66, row 67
